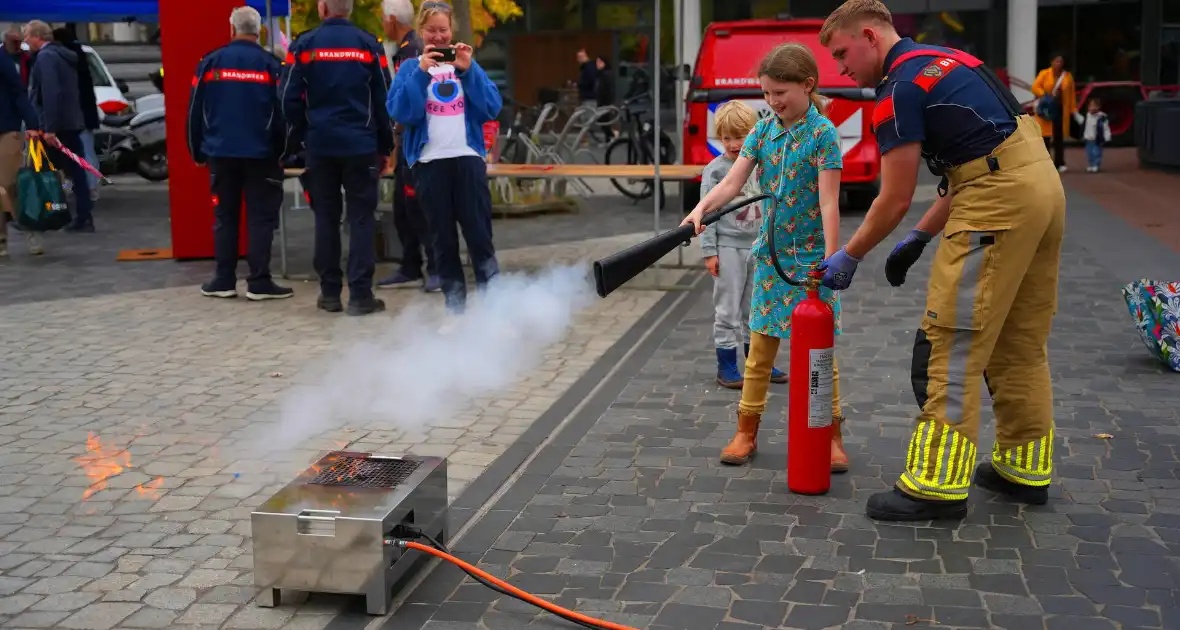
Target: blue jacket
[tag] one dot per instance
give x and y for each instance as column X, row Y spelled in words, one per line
column 53, row 87
column 407, row 105
column 15, row 107
column 332, row 93
column 234, row 109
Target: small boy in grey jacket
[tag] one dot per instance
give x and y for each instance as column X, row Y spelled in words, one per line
column 726, row 245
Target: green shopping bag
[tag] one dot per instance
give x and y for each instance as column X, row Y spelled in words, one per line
column 42, row 203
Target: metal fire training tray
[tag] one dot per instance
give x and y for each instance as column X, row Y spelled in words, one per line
column 326, row 531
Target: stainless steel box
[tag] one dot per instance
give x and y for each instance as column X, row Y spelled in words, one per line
column 326, row 531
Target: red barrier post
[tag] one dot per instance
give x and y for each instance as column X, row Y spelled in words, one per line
column 809, row 422
column 196, row 28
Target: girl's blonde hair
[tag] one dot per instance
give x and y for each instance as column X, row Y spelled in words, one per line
column 793, row 63
column 431, row 8
column 734, row 118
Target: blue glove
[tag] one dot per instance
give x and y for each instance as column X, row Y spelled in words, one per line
column 904, row 255
column 838, row 270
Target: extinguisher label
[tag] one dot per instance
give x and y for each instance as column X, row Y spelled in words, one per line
column 819, row 388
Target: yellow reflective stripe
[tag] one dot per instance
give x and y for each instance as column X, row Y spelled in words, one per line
column 1028, row 464
column 939, row 462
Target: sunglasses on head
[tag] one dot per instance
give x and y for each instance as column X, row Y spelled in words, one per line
column 437, row 6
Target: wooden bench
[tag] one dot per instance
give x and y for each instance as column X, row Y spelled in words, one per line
column 671, row 172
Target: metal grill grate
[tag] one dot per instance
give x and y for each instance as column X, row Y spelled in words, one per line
column 363, row 472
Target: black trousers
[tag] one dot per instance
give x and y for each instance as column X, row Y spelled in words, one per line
column 454, row 195
column 359, row 176
column 1056, row 143
column 410, row 223
column 260, row 182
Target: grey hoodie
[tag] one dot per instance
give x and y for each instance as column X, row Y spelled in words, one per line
column 53, row 88
column 736, row 229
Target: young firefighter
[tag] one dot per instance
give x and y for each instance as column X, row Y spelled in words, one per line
column 992, row 291
column 797, row 152
column 725, row 246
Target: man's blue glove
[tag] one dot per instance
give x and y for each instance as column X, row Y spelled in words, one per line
column 838, row 270
column 904, row 255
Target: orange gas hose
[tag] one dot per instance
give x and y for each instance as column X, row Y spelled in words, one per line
column 532, row 599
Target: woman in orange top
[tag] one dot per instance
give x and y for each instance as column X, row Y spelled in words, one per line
column 1056, row 99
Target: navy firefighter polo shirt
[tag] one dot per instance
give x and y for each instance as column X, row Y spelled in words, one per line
column 946, row 106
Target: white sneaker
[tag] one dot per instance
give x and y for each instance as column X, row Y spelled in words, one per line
column 36, row 244
column 3, row 250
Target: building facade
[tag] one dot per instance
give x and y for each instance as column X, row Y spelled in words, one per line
column 1101, row 40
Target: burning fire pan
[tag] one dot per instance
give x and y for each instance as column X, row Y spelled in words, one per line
column 327, row 531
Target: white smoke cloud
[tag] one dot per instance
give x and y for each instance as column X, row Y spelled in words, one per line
column 415, row 374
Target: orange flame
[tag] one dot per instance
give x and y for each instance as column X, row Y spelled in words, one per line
column 148, row 489
column 100, row 464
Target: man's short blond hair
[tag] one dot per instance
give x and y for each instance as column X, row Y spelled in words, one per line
column 853, row 14
column 735, row 119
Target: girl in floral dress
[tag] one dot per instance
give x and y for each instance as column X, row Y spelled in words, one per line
column 798, row 157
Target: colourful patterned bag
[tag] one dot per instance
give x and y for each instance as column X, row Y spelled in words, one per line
column 1156, row 309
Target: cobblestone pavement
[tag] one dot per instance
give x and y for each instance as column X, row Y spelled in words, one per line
column 147, row 401
column 1143, row 197
column 628, row 516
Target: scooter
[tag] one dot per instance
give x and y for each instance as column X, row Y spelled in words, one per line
column 135, row 142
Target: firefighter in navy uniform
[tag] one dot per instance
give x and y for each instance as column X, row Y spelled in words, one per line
column 235, row 126
column 992, row 292
column 334, row 101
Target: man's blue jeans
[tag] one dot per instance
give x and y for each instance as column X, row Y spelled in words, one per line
column 91, row 157
column 1094, row 153
column 72, row 140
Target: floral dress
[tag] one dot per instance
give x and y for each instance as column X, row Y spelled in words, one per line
column 1155, row 306
column 788, row 166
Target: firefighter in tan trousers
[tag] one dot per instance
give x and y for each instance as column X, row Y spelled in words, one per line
column 993, row 283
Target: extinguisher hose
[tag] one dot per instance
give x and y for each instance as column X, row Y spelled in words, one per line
column 437, row 550
column 771, row 223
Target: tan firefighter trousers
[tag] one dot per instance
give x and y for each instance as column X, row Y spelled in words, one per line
column 989, row 307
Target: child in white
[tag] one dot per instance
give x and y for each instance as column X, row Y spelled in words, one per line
column 725, row 246
column 1096, row 133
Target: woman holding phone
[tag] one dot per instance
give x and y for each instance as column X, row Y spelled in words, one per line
column 442, row 99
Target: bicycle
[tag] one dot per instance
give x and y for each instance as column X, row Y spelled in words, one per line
column 636, row 146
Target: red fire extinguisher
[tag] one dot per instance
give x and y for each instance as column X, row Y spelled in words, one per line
column 809, row 421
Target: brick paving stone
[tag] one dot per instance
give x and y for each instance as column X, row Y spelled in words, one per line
column 179, row 383
column 636, row 522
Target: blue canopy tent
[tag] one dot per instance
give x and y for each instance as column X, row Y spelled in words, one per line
column 107, row 10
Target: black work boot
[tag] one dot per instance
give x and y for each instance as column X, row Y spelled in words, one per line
column 330, row 304
column 895, row 505
column 365, row 305
column 987, row 478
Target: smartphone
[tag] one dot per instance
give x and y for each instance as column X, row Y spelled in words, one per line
column 446, row 55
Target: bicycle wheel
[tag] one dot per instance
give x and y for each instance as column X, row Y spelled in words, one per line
column 623, row 151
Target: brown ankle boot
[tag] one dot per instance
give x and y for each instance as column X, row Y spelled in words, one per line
column 745, row 441
column 839, row 457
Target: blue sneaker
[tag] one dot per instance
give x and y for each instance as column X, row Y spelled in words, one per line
column 399, row 280
column 728, row 375
column 433, row 285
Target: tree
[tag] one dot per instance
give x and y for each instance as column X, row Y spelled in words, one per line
column 473, row 18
